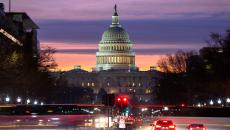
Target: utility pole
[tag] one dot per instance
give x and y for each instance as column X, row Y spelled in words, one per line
column 9, row 5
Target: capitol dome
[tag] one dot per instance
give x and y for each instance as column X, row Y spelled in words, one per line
column 115, row 48
column 114, row 34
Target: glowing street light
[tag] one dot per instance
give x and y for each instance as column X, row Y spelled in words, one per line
column 211, row 102
column 219, row 101
column 7, row 99
column 199, row 105
column 35, row 102
column 228, row 100
column 166, row 109
column 19, row 100
column 143, row 109
column 27, row 101
column 42, row 103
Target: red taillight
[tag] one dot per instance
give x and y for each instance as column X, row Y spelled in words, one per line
column 172, row 126
column 158, row 126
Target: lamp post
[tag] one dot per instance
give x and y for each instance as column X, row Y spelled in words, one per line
column 35, row 102
column 7, row 99
column 19, row 100
column 28, row 101
column 211, row 102
column 228, row 100
column 219, row 101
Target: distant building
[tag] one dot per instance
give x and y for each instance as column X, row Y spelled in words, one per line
column 115, row 69
column 17, row 28
column 19, row 51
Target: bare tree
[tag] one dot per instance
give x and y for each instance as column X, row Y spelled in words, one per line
column 46, row 60
column 175, row 63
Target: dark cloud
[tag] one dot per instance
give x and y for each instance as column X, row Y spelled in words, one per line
column 181, row 31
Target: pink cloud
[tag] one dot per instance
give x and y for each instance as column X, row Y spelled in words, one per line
column 67, row 61
column 88, row 61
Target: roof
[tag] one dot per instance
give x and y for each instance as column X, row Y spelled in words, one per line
column 22, row 17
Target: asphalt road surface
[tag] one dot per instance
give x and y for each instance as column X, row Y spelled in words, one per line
column 211, row 123
column 66, row 122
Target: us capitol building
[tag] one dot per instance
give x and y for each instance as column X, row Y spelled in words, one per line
column 115, row 69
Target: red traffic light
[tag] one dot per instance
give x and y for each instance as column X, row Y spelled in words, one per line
column 122, row 100
column 125, row 99
column 118, row 99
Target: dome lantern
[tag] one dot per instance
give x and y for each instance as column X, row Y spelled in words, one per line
column 115, row 17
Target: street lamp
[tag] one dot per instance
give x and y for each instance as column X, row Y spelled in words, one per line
column 7, row 99
column 42, row 103
column 19, row 100
column 228, row 100
column 35, row 102
column 27, row 101
column 219, row 101
column 211, row 102
column 166, row 109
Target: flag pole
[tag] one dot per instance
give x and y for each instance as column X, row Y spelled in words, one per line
column 9, row 5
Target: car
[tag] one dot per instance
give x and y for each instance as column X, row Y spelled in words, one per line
column 196, row 127
column 164, row 125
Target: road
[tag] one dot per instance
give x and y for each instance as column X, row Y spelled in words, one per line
column 74, row 122
column 212, row 123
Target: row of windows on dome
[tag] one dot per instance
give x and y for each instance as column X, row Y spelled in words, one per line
column 115, row 48
column 115, row 60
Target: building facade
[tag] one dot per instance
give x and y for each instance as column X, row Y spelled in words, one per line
column 115, row 48
column 115, row 69
column 19, row 51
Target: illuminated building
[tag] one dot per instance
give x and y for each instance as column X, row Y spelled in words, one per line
column 115, row 69
column 115, row 48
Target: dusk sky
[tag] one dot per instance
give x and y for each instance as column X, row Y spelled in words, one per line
column 156, row 27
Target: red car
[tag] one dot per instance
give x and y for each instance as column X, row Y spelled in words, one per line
column 196, row 127
column 164, row 125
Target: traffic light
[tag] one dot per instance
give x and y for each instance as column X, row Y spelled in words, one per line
column 108, row 99
column 122, row 102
